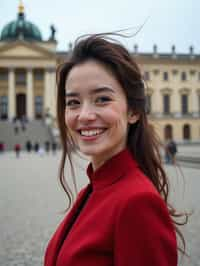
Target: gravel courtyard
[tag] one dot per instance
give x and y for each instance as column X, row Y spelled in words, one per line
column 32, row 204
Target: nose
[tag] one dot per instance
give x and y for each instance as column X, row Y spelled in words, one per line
column 87, row 113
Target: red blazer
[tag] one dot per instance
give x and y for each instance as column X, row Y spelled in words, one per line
column 123, row 222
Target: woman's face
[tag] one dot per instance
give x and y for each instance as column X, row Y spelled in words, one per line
column 96, row 113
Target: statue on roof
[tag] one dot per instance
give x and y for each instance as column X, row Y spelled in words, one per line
column 53, row 32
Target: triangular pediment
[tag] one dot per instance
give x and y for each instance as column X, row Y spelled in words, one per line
column 20, row 49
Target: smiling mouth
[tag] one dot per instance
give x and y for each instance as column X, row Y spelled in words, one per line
column 92, row 132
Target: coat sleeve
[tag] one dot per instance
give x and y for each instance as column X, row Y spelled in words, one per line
column 144, row 233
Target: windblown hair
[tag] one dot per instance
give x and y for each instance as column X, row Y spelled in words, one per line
column 142, row 140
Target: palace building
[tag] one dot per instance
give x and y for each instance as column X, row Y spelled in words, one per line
column 28, row 80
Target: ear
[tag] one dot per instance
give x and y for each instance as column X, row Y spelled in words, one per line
column 133, row 117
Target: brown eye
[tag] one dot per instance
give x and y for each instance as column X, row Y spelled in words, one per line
column 103, row 99
column 72, row 103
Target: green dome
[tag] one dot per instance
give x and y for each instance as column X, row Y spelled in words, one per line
column 20, row 29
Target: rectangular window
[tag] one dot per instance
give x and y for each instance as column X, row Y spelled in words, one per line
column 165, row 76
column 166, row 104
column 184, row 103
column 148, row 103
column 183, row 76
column 146, row 75
column 3, row 75
column 3, row 107
column 38, row 75
column 20, row 77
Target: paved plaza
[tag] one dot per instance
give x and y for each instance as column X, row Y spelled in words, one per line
column 32, row 204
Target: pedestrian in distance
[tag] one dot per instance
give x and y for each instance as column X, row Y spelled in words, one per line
column 17, row 149
column 171, row 150
column 122, row 217
column 47, row 146
column 28, row 146
column 54, row 147
column 36, row 147
column 2, row 147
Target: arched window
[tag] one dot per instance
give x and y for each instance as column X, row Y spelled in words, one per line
column 168, row 132
column 186, row 132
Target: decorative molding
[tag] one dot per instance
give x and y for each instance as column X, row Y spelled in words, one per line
column 166, row 91
column 156, row 72
column 174, row 72
column 50, row 69
column 192, row 72
column 184, row 91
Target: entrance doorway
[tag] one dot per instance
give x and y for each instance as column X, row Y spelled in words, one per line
column 21, row 105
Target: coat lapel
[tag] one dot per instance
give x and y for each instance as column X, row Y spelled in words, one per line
column 60, row 234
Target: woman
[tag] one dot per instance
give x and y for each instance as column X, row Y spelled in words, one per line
column 122, row 217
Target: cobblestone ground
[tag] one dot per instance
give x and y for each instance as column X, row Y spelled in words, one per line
column 32, row 202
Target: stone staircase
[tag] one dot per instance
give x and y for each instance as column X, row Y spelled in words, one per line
column 36, row 131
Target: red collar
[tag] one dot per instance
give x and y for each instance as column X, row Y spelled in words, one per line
column 112, row 170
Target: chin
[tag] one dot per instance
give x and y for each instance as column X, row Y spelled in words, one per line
column 92, row 151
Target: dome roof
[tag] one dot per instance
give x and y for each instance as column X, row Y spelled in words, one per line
column 21, row 29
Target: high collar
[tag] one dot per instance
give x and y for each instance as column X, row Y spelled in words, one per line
column 111, row 170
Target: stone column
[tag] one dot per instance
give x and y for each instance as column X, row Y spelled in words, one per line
column 11, row 94
column 54, row 93
column 30, row 100
column 46, row 90
column 49, row 91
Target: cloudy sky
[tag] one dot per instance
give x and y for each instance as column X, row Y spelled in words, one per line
column 168, row 22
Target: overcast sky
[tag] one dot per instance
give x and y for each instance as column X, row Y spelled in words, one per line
column 169, row 21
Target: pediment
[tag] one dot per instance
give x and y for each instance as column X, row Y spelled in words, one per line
column 24, row 50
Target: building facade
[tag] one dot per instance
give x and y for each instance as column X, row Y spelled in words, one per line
column 28, row 81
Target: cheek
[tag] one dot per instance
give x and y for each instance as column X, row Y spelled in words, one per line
column 116, row 114
column 69, row 119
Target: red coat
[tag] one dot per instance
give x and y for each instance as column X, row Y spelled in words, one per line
column 123, row 222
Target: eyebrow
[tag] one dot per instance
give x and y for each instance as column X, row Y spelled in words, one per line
column 94, row 91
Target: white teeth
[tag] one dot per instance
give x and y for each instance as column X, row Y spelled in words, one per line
column 93, row 132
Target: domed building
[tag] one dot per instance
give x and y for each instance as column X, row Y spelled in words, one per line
column 27, row 80
column 27, row 70
column 21, row 29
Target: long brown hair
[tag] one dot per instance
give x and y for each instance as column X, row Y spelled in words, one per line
column 141, row 135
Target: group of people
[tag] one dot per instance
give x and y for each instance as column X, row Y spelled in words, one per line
column 36, row 147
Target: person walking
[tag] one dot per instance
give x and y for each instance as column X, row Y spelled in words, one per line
column 171, row 151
